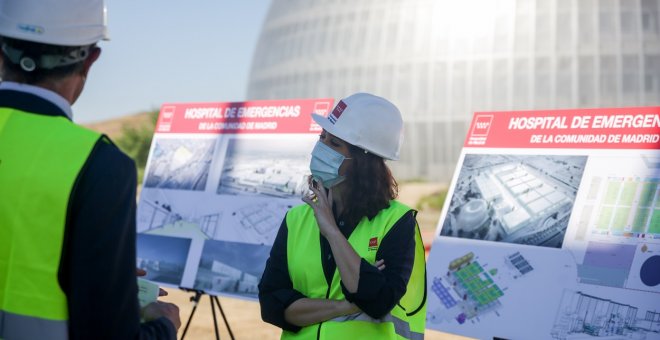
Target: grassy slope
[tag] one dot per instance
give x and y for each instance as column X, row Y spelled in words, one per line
column 113, row 127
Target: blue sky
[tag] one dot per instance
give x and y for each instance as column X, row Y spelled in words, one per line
column 171, row 51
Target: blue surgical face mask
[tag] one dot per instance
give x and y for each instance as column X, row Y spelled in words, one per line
column 325, row 165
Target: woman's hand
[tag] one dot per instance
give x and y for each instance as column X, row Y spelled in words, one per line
column 321, row 201
column 348, row 261
column 348, row 308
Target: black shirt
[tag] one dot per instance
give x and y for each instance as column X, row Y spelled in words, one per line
column 97, row 266
column 378, row 291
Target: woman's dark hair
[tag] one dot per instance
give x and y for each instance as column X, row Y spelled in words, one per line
column 11, row 71
column 370, row 186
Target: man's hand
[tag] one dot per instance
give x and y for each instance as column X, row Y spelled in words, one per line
column 142, row 272
column 159, row 309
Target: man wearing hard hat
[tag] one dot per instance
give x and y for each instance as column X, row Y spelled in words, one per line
column 67, row 194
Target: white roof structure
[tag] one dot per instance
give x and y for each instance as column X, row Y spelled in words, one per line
column 488, row 189
column 180, row 158
column 503, row 169
column 535, row 183
column 556, row 197
column 503, row 208
column 544, row 190
column 515, row 220
column 528, row 177
column 529, row 196
column 277, row 180
column 540, row 205
column 513, row 182
column 519, row 189
column 519, row 173
column 222, row 268
column 250, row 179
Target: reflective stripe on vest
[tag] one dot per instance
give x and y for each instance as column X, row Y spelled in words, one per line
column 40, row 159
column 401, row 327
column 19, row 327
column 306, row 271
column 414, row 302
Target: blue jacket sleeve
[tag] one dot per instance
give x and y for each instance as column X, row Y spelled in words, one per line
column 97, row 267
column 379, row 291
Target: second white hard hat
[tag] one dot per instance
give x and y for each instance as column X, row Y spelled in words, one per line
column 367, row 121
column 55, row 22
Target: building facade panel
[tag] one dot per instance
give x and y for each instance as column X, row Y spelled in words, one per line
column 441, row 60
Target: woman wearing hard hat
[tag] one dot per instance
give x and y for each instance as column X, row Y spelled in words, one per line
column 350, row 261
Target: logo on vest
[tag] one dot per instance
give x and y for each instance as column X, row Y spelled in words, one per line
column 373, row 243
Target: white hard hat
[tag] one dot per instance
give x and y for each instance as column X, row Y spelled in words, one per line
column 366, row 121
column 54, row 22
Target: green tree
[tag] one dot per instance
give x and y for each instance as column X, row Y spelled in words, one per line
column 432, row 201
column 135, row 141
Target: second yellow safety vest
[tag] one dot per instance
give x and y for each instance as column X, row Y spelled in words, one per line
column 405, row 321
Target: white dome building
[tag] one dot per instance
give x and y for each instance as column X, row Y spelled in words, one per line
column 441, row 60
column 474, row 216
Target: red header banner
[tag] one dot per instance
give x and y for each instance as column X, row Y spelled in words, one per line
column 263, row 116
column 615, row 128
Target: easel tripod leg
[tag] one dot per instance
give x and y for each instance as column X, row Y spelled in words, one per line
column 231, row 334
column 215, row 320
column 214, row 300
column 195, row 301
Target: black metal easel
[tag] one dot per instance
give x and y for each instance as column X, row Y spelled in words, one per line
column 214, row 300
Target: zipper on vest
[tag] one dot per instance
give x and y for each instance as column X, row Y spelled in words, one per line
column 318, row 330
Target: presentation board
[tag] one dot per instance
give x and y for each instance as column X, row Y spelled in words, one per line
column 218, row 182
column 551, row 228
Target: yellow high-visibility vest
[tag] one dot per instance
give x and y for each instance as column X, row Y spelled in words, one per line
column 405, row 321
column 40, row 160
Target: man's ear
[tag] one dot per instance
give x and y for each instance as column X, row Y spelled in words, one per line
column 94, row 54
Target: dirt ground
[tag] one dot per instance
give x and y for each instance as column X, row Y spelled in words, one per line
column 244, row 317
